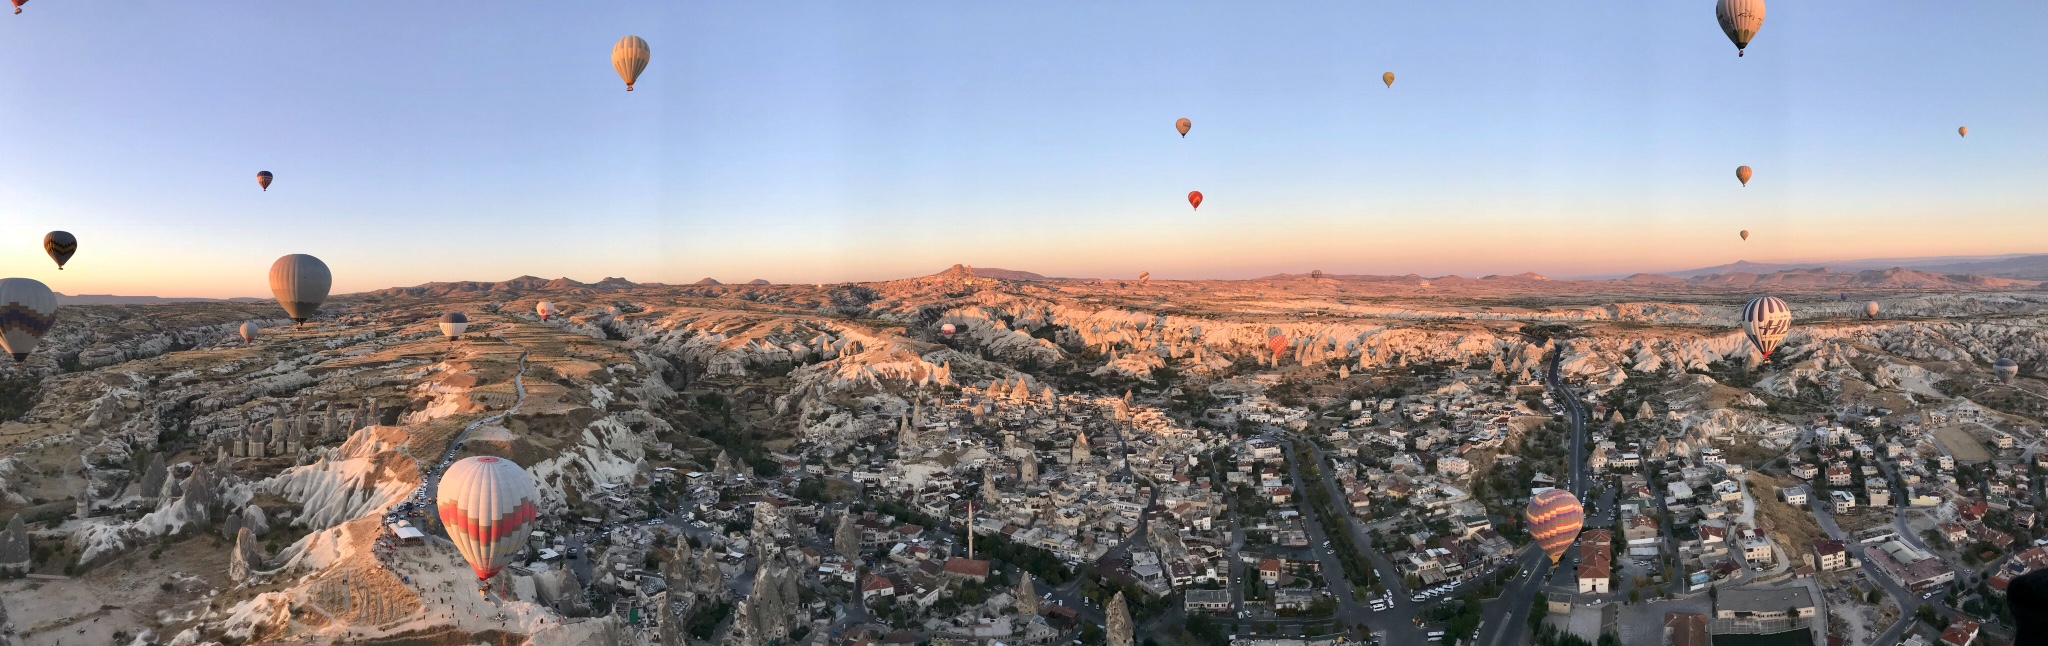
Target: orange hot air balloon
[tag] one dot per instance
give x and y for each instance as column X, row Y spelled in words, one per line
column 1389, row 78
column 1183, row 125
column 263, row 179
column 1195, row 198
column 1278, row 344
column 1963, row 131
column 18, row 4
column 1554, row 517
column 1742, row 173
column 1745, row 234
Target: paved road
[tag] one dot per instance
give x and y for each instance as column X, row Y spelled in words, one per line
column 1508, row 621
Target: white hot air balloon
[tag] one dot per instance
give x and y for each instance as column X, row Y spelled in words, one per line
column 1766, row 320
column 947, row 329
column 300, row 283
column 488, row 505
column 249, row 332
column 1870, row 309
column 545, row 309
column 27, row 310
column 453, row 324
column 1740, row 19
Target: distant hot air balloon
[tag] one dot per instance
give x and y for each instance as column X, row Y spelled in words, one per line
column 263, row 179
column 629, row 57
column 1740, row 19
column 1144, row 277
column 249, row 332
column 453, row 324
column 1745, row 234
column 60, row 245
column 1183, row 125
column 27, row 309
column 1389, row 78
column 947, row 330
column 18, row 4
column 1766, row 319
column 1315, row 274
column 2007, row 369
column 545, row 310
column 1963, row 131
column 1277, row 343
column 1554, row 517
column 1870, row 309
column 300, row 283
column 488, row 505
column 1742, row 173
column 1195, row 198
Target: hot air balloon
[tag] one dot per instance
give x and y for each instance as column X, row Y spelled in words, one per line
column 1766, row 319
column 1389, row 78
column 1740, row 19
column 263, row 179
column 1195, row 198
column 453, row 324
column 249, row 332
column 1144, row 277
column 545, row 310
column 629, row 57
column 947, row 330
column 60, row 245
column 1870, row 309
column 2007, row 369
column 27, row 309
column 1963, row 131
column 488, row 505
column 1745, row 234
column 18, row 4
column 1315, row 274
column 300, row 283
column 1277, row 343
column 1554, row 517
column 1183, row 125
column 1742, row 173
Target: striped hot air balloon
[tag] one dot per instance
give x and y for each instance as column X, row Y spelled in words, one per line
column 60, row 245
column 1740, row 19
column 488, row 506
column 629, row 59
column 27, row 310
column 453, row 324
column 1554, row 517
column 1766, row 319
column 1277, row 343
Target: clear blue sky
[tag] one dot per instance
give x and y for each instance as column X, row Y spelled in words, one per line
column 805, row 142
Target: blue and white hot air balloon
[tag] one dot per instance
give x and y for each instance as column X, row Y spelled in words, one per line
column 1766, row 319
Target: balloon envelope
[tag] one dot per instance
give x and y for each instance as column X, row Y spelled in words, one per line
column 1766, row 319
column 1195, row 198
column 629, row 57
column 545, row 309
column 1388, row 78
column 1745, row 234
column 453, row 324
column 1183, row 125
column 263, row 179
column 1740, row 19
column 1963, row 131
column 1554, row 517
column 60, row 245
column 300, row 283
column 1277, row 344
column 27, row 310
column 488, row 505
column 2007, row 369
column 1870, row 309
column 946, row 329
column 1144, row 277
column 249, row 332
column 1742, row 173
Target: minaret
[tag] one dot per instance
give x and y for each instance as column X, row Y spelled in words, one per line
column 970, row 530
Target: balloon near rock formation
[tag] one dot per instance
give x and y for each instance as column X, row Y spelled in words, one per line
column 27, row 310
column 1765, row 320
column 60, row 245
column 1740, row 19
column 1554, row 517
column 300, row 283
column 1870, row 309
column 629, row 57
column 2007, row 369
column 947, row 330
column 545, row 309
column 488, row 505
column 249, row 330
column 453, row 324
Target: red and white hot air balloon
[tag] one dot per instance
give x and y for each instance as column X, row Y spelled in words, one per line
column 249, row 332
column 545, row 309
column 488, row 505
column 947, row 330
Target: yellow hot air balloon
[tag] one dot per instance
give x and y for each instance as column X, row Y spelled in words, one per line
column 629, row 57
column 1183, row 125
column 1389, row 78
column 1742, row 173
column 1963, row 131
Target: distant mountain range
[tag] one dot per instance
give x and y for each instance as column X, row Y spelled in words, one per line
column 110, row 299
column 2007, row 266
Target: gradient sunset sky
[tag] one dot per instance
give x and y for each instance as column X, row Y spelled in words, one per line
column 830, row 141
